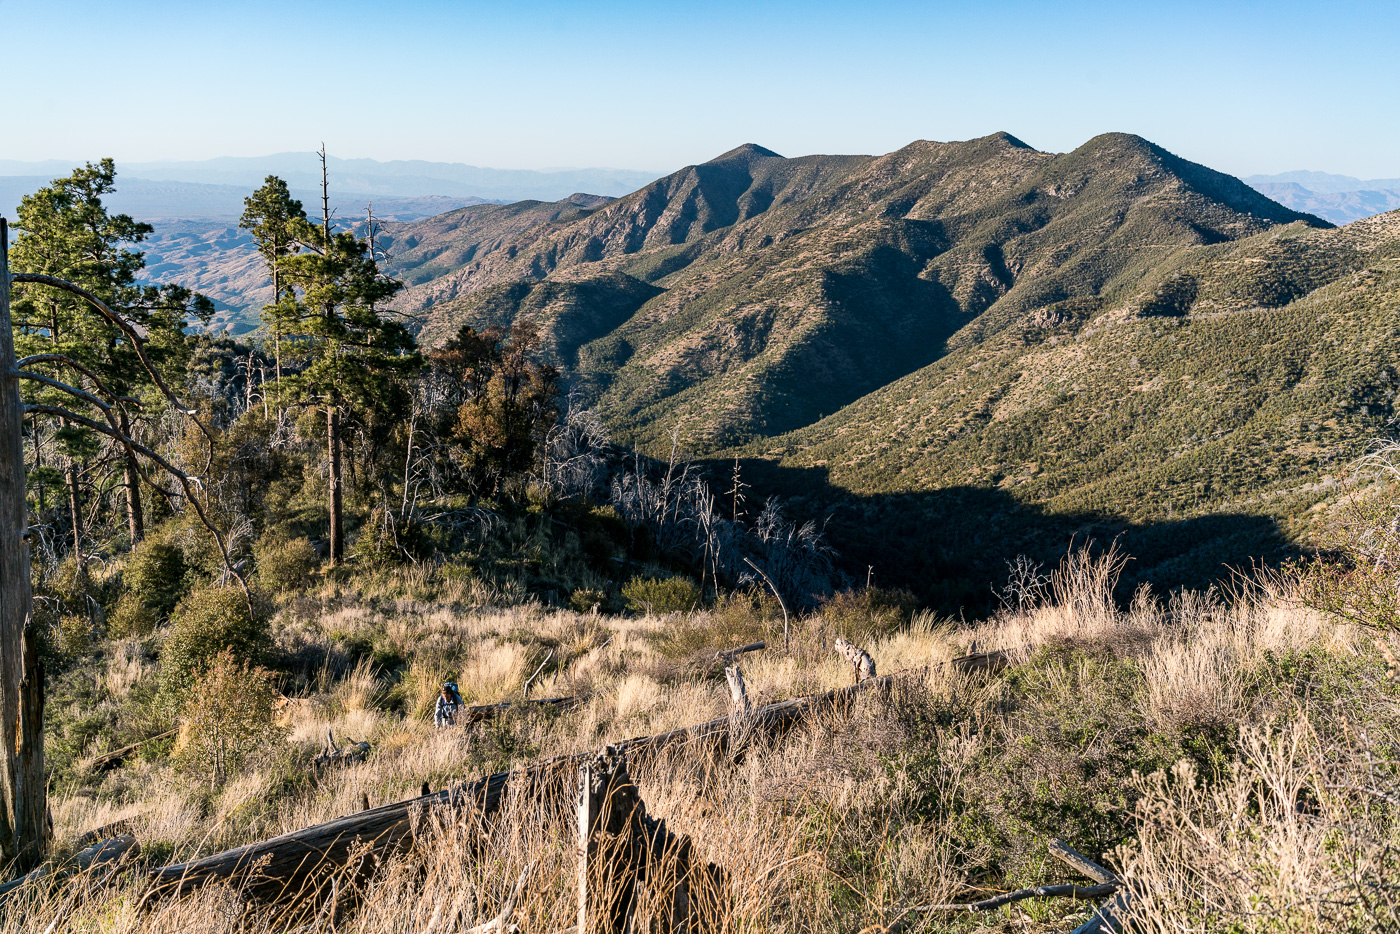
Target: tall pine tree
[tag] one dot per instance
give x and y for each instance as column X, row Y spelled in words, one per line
column 356, row 358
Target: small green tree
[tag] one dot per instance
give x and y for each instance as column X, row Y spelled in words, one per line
column 228, row 716
column 209, row 621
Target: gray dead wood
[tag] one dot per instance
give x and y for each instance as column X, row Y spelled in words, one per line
column 1041, row 891
column 1107, row 917
column 102, row 856
column 738, row 693
column 116, row 828
column 341, row 755
column 624, row 851
column 501, row 923
column 989, row 662
column 23, row 791
column 1081, row 863
column 110, row 760
column 492, row 711
column 294, row 864
column 862, row 665
column 728, row 655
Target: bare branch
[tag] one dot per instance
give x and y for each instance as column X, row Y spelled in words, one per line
column 137, row 342
column 189, row 483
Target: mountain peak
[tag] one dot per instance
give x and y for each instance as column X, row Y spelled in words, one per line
column 1001, row 136
column 745, row 153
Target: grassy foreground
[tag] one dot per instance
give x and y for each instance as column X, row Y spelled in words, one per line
column 1234, row 758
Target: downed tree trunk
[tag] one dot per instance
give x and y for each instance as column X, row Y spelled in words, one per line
column 110, row 760
column 989, row 662
column 295, row 862
column 861, row 663
column 492, row 711
column 728, row 655
column 630, row 862
column 105, row 853
column 1107, row 917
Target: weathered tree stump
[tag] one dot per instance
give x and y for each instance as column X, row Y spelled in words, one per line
column 630, row 863
column 862, row 665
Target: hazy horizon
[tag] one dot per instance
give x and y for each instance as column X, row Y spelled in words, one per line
column 1244, row 88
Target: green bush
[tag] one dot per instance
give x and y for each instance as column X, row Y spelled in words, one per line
column 284, row 563
column 73, row 635
column 661, row 595
column 227, row 718
column 156, row 574
column 872, row 612
column 738, row 619
column 208, row 621
column 587, row 601
column 130, row 618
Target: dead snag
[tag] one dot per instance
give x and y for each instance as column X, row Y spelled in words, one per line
column 862, row 665
column 341, row 755
column 631, row 867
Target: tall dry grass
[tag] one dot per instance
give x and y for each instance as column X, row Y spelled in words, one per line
column 1287, row 822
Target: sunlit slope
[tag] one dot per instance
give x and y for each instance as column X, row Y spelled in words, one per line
column 1237, row 381
column 754, row 295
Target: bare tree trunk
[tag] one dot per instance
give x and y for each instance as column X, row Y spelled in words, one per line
column 135, row 515
column 23, row 810
column 337, row 529
column 75, row 509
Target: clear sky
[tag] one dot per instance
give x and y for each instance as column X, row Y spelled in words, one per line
column 1243, row 87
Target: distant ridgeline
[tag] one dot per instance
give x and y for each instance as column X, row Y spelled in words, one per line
column 960, row 351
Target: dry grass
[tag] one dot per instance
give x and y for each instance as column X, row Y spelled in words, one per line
column 859, row 815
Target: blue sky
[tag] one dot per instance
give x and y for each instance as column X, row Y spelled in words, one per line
column 1243, row 87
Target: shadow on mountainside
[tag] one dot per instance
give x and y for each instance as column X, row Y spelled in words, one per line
column 951, row 546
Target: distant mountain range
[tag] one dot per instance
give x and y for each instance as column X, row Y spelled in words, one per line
column 1339, row 198
column 214, row 188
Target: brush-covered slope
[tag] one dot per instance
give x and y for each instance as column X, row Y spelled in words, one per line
column 753, row 295
column 1206, row 412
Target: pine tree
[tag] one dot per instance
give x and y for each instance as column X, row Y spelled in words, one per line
column 356, row 357
column 271, row 214
column 68, row 232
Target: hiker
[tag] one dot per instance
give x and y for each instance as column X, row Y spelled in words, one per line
column 448, row 703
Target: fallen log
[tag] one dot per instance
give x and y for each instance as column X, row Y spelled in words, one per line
column 105, row 853
column 290, row 864
column 1042, row 891
column 338, row 755
column 728, row 655
column 492, row 711
column 989, row 662
column 1109, row 916
column 110, row 760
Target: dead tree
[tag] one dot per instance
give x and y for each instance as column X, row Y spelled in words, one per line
column 23, row 800
column 631, row 864
column 862, row 665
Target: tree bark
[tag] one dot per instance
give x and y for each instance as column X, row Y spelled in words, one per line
column 135, row 515
column 23, row 805
column 334, row 504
